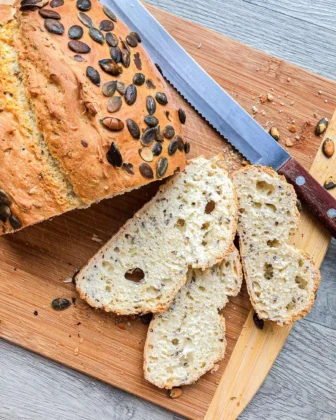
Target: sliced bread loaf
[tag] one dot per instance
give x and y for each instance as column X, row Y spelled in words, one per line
column 281, row 280
column 190, row 222
column 186, row 341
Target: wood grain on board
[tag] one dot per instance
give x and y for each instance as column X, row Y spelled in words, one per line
column 35, row 261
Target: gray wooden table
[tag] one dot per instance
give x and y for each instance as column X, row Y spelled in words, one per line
column 302, row 382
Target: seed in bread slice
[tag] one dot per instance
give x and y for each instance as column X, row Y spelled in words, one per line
column 190, row 222
column 186, row 341
column 281, row 280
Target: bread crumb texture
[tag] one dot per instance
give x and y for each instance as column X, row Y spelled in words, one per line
column 188, row 339
column 281, row 280
column 190, row 222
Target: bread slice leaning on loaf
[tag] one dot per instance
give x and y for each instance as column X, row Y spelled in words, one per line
column 281, row 280
column 190, row 222
column 186, row 341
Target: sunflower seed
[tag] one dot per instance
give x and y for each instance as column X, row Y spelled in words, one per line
column 83, row 5
column 75, row 32
column 131, row 94
column 112, row 124
column 186, row 147
column 169, row 132
column 139, row 79
column 125, row 58
column 148, row 136
column 151, row 120
column 146, row 154
column 85, row 19
column 182, row 116
column 96, row 35
column 54, row 26
column 161, row 98
column 146, row 171
column 56, row 3
column 136, row 36
column 162, row 167
column 79, row 58
column 125, row 45
column 150, row 84
column 93, row 75
column 60, row 304
column 114, row 156
column 157, row 149
column 321, row 126
column 4, row 199
column 329, row 184
column 79, row 47
column 108, row 12
column 137, row 61
column 274, row 132
column 121, row 88
column 259, row 323
column 173, row 146
column 110, row 67
column 15, row 222
column 112, row 40
column 150, row 105
column 180, row 144
column 132, row 41
column 115, row 54
column 159, row 136
column 133, row 128
column 328, row 148
column 128, row 167
column 4, row 211
column 109, row 88
column 49, row 14
column 114, row 104
column 106, row 25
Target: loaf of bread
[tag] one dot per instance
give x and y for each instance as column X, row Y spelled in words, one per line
column 190, row 222
column 84, row 116
column 281, row 280
column 187, row 340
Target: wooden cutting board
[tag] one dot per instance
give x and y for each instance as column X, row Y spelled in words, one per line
column 35, row 261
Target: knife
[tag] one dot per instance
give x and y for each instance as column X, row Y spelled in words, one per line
column 222, row 111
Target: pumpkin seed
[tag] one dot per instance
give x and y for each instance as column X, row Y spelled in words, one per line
column 132, row 41
column 150, row 84
column 150, row 105
column 49, row 14
column 4, row 199
column 146, row 171
column 329, row 184
column 115, row 54
column 146, row 154
column 85, row 19
column 174, row 392
column 161, row 98
column 112, row 40
column 169, row 132
column 110, row 67
column 114, row 104
column 321, row 126
column 131, row 94
column 180, row 144
column 112, row 124
column 93, row 75
column 148, row 136
column 29, row 7
column 114, row 156
column 133, row 128
column 4, row 211
column 125, row 45
column 159, row 136
column 54, row 26
column 83, row 5
column 79, row 47
column 139, row 79
column 15, row 222
column 128, row 167
column 56, row 3
column 173, row 146
column 182, row 116
column 79, row 58
column 121, row 88
column 274, row 132
column 328, row 148
column 75, row 32
column 136, row 36
column 151, row 120
column 59, row 304
column 96, row 35
column 109, row 88
column 125, row 58
column 259, row 323
column 108, row 12
column 162, row 167
column 106, row 25
column 186, row 147
column 157, row 149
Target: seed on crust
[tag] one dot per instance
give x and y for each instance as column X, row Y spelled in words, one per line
column 112, row 124
column 108, row 12
column 96, row 35
column 150, row 105
column 15, row 222
column 128, row 167
column 169, row 132
column 93, row 75
column 157, row 149
column 146, row 154
column 83, row 5
column 146, row 171
column 106, row 25
column 109, row 88
column 110, row 67
column 49, row 14
column 162, row 167
column 85, row 19
column 114, row 156
column 75, row 32
column 79, row 47
column 114, row 104
column 54, row 26
column 148, row 136
column 133, row 128
column 161, row 98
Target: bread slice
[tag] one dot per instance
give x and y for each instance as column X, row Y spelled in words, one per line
column 190, row 222
column 281, row 280
column 186, row 341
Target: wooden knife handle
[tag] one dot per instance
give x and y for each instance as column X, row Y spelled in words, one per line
column 320, row 203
